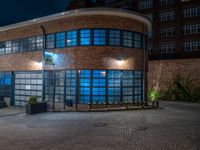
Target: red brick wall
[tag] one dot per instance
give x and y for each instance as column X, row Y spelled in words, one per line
column 73, row 23
column 163, row 70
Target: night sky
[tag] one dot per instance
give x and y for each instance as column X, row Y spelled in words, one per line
column 13, row 11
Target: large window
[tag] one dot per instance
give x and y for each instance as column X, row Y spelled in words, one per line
column 8, row 47
column 2, row 47
column 145, row 4
column 191, row 46
column 85, row 37
column 99, row 37
column 166, row 2
column 114, row 37
column 167, row 48
column 127, row 86
column 39, row 42
column 15, row 46
column 23, row 45
column 31, row 44
column 71, row 38
column 127, row 39
column 137, row 40
column 114, row 86
column 60, row 40
column 50, row 41
column 191, row 12
column 138, row 86
column 85, row 84
column 167, row 32
column 71, row 86
column 99, row 87
column 191, row 29
column 5, row 84
column 167, row 16
column 59, row 86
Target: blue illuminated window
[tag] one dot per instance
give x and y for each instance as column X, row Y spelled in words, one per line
column 71, row 38
column 137, row 40
column 84, row 94
column 50, row 41
column 7, row 78
column 5, row 83
column 85, row 37
column 1, row 78
column 114, row 84
column 60, row 40
column 99, row 87
column 114, row 37
column 127, row 39
column 99, row 37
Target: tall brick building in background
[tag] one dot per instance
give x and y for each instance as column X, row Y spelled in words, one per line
column 174, row 43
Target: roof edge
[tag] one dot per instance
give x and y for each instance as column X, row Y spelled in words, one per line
column 79, row 12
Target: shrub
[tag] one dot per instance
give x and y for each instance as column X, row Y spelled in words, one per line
column 181, row 88
column 153, row 95
column 32, row 100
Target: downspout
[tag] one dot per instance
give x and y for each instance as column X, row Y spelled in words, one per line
column 43, row 62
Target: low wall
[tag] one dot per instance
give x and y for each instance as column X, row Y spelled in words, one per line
column 161, row 71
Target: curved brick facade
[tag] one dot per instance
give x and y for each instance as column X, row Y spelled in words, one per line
column 91, row 73
column 82, row 57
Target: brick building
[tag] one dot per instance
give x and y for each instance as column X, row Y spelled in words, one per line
column 174, row 43
column 74, row 58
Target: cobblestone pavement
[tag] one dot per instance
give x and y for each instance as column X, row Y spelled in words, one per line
column 176, row 126
column 10, row 111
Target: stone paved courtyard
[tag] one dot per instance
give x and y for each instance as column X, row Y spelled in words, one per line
column 176, row 126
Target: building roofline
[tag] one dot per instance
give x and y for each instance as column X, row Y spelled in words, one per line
column 80, row 12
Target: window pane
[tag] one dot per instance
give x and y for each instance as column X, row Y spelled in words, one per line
column 71, row 38
column 99, row 37
column 114, row 37
column 39, row 42
column 137, row 40
column 31, row 44
column 85, row 37
column 15, row 46
column 127, row 39
column 8, row 47
column 50, row 41
column 24, row 45
column 60, row 40
column 2, row 47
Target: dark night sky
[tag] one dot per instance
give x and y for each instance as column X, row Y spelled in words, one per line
column 13, row 11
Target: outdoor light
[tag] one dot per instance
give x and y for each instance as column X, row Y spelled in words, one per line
column 120, row 62
column 36, row 64
column 103, row 73
column 50, row 58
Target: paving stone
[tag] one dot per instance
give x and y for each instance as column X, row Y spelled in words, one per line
column 174, row 127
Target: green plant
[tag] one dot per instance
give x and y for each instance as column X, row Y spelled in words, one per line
column 153, row 95
column 32, row 100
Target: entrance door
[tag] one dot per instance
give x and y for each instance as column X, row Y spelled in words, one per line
column 54, row 89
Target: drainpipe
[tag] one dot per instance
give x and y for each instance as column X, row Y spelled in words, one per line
column 43, row 62
column 145, row 65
